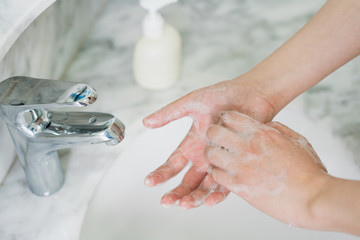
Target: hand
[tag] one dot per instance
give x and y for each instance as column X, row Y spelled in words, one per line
column 269, row 165
column 204, row 106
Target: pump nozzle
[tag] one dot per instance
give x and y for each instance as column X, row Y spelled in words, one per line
column 154, row 5
column 153, row 23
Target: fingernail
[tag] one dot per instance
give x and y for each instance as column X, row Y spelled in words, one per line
column 167, row 205
column 185, row 206
column 168, row 200
column 153, row 179
column 148, row 122
column 211, row 202
column 149, row 181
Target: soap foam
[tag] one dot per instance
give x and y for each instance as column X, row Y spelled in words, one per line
column 270, row 186
column 304, row 144
column 213, row 188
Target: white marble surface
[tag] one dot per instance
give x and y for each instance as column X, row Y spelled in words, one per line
column 15, row 17
column 221, row 41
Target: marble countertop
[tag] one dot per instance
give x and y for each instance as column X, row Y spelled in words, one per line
column 221, row 41
column 15, row 17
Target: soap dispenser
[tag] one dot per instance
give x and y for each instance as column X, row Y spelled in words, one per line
column 157, row 54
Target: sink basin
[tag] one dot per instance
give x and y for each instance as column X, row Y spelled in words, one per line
column 123, row 208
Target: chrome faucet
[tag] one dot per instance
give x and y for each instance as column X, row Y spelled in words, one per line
column 38, row 131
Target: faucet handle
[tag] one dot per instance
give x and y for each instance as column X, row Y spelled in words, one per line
column 26, row 93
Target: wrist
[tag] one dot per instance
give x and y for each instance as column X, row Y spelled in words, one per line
column 271, row 87
column 336, row 207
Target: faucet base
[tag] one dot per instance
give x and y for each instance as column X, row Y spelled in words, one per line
column 45, row 176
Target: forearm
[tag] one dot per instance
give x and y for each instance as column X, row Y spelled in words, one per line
column 337, row 207
column 329, row 40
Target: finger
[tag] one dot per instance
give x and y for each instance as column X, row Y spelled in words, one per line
column 202, row 193
column 221, row 176
column 216, row 192
column 288, row 132
column 232, row 183
column 190, row 182
column 173, row 111
column 172, row 167
column 285, row 130
column 178, row 160
column 217, row 196
column 221, row 158
column 298, row 138
column 240, row 123
column 221, row 136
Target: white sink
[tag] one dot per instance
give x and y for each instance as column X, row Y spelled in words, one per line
column 123, row 208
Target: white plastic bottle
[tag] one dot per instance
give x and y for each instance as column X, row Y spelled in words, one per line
column 157, row 55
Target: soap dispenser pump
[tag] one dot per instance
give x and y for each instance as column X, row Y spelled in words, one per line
column 157, row 54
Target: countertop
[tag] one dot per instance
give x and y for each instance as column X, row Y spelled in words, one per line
column 221, row 41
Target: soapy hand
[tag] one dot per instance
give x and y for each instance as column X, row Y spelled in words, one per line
column 269, row 165
column 205, row 107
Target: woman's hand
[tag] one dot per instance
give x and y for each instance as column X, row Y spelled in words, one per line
column 269, row 165
column 205, row 107
column 296, row 66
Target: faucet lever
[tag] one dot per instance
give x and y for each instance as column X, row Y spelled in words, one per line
column 21, row 93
